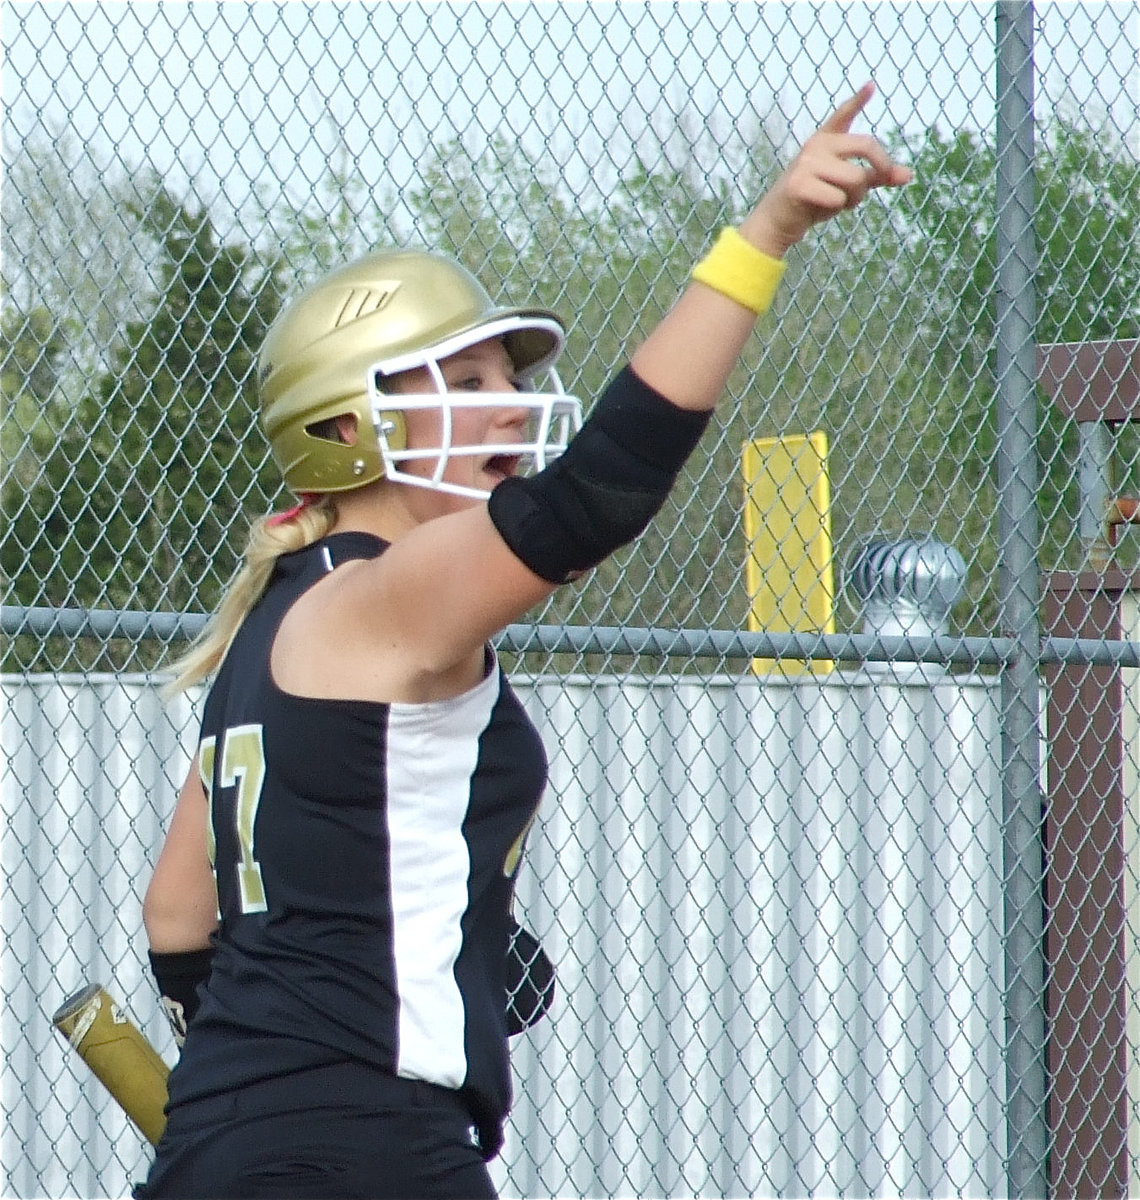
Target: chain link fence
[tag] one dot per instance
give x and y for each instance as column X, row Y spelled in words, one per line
column 839, row 857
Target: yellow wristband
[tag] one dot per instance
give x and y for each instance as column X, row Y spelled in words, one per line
column 736, row 269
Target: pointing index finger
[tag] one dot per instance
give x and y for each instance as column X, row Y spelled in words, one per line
column 844, row 116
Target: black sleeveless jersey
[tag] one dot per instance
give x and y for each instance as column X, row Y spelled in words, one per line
column 365, row 857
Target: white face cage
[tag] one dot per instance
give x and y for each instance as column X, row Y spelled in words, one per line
column 555, row 416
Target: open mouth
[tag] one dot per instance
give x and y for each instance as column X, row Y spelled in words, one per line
column 502, row 466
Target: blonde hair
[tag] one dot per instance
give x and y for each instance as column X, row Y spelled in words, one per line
column 268, row 540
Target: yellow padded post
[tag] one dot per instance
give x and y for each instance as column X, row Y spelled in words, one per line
column 787, row 523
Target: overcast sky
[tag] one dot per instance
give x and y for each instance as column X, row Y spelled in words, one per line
column 236, row 94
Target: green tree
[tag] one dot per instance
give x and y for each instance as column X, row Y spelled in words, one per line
column 1089, row 200
column 144, row 484
column 1088, row 278
column 882, row 336
column 504, row 215
column 71, row 247
column 1088, row 281
column 33, row 346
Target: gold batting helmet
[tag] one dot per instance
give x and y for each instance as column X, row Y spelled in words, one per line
column 327, row 352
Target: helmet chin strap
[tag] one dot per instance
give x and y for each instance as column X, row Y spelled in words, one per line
column 307, row 500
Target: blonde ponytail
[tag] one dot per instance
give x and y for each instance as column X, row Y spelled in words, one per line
column 268, row 540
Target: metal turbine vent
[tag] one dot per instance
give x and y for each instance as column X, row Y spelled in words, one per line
column 906, row 588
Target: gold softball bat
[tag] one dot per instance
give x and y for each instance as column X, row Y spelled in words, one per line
column 114, row 1048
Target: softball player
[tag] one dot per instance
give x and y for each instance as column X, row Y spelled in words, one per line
column 334, row 893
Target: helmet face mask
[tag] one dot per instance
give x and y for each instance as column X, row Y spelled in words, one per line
column 329, row 351
column 554, row 417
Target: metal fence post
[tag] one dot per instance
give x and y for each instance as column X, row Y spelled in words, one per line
column 1015, row 366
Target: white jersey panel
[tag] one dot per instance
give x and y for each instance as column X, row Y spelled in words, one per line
column 433, row 750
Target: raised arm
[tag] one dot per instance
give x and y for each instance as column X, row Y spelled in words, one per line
column 618, row 470
column 688, row 357
column 451, row 583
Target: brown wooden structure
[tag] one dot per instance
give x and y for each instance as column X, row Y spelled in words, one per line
column 1088, row 940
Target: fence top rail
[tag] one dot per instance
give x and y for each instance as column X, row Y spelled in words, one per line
column 639, row 642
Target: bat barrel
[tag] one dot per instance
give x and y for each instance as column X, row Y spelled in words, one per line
column 120, row 1056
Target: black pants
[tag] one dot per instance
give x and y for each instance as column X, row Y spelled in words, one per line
column 339, row 1131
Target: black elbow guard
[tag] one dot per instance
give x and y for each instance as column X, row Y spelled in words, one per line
column 178, row 977
column 605, row 489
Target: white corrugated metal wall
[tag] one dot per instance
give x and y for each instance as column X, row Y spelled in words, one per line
column 774, row 904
